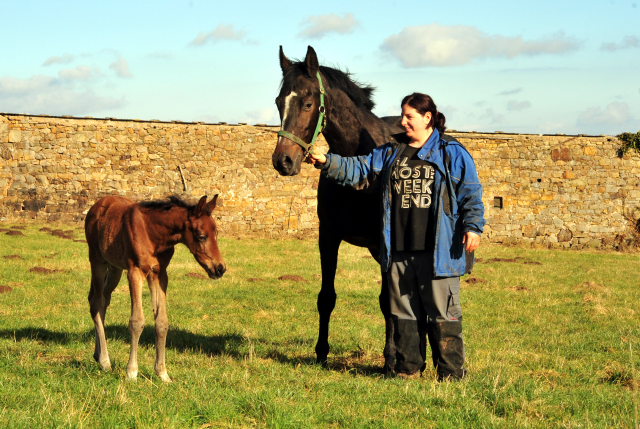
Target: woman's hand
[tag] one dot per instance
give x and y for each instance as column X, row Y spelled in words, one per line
column 472, row 241
column 316, row 159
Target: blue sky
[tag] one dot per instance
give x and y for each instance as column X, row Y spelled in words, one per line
column 531, row 67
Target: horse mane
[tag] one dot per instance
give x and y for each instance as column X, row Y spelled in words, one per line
column 360, row 94
column 166, row 204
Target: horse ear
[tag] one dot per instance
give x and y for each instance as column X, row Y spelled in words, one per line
column 311, row 61
column 212, row 204
column 284, row 61
column 201, row 207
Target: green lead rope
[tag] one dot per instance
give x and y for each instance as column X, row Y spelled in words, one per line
column 322, row 120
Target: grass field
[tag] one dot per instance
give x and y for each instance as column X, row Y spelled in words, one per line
column 552, row 340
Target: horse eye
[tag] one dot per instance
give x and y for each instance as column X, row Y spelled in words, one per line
column 308, row 106
column 201, row 237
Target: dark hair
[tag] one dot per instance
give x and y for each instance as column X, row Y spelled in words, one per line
column 423, row 104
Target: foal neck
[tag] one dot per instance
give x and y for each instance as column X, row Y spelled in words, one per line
column 166, row 228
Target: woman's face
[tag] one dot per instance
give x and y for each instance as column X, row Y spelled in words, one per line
column 414, row 123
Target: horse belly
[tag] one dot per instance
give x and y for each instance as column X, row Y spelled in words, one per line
column 352, row 215
column 105, row 232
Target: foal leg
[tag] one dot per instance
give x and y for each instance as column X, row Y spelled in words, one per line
column 327, row 297
column 97, row 308
column 158, row 287
column 136, row 321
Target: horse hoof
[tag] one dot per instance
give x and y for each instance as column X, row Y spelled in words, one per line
column 164, row 377
column 132, row 376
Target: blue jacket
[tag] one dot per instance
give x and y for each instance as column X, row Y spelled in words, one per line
column 458, row 208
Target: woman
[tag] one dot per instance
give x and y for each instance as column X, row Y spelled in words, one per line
column 432, row 213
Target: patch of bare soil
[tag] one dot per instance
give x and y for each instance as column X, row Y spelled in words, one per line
column 475, row 280
column 42, row 270
column 367, row 256
column 51, row 256
column 532, row 263
column 45, row 229
column 255, row 279
column 504, row 260
column 18, row 227
column 478, row 260
column 518, row 288
column 5, row 289
column 4, row 230
column 292, row 278
column 621, row 376
column 196, row 276
column 14, row 232
column 12, row 257
column 79, row 241
column 68, row 235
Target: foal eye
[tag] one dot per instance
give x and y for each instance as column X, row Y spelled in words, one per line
column 307, row 106
column 201, row 237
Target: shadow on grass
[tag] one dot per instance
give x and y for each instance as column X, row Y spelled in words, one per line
column 186, row 341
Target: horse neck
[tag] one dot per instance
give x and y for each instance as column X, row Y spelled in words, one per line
column 352, row 130
column 166, row 228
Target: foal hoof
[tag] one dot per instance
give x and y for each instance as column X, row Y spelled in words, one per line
column 164, row 377
column 132, row 376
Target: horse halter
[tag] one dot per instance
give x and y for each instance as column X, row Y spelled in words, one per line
column 322, row 121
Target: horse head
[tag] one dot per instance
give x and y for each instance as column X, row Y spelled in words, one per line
column 299, row 106
column 202, row 238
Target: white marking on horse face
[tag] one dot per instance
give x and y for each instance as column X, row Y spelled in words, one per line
column 287, row 101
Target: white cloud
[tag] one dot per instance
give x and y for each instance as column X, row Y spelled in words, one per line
column 511, row 91
column 627, row 42
column 47, row 95
column 316, row 27
column 64, row 59
column 81, row 73
column 121, row 67
column 518, row 105
column 267, row 116
column 222, row 32
column 616, row 113
column 443, row 45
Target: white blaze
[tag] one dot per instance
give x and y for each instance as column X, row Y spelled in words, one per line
column 287, row 101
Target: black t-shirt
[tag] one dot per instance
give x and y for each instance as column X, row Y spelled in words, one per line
column 411, row 200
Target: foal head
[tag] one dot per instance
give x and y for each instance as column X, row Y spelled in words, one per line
column 201, row 237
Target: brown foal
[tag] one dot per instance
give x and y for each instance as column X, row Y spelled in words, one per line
column 140, row 238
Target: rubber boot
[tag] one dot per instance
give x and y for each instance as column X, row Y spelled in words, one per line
column 445, row 339
column 409, row 359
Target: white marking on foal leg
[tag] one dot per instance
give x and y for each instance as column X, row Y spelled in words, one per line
column 287, row 101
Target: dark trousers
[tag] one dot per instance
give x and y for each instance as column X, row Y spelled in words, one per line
column 425, row 306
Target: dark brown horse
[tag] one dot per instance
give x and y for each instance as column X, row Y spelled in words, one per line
column 140, row 238
column 351, row 129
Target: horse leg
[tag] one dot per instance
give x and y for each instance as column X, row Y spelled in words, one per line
column 136, row 321
column 97, row 308
column 158, row 288
column 389, row 352
column 327, row 297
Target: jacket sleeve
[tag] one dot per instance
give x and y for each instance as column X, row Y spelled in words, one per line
column 359, row 172
column 468, row 191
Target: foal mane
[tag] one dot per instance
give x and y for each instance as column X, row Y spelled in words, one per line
column 360, row 94
column 167, row 204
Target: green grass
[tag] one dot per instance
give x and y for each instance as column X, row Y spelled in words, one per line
column 547, row 345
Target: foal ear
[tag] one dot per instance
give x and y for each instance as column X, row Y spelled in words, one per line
column 201, row 207
column 284, row 61
column 212, row 204
column 311, row 62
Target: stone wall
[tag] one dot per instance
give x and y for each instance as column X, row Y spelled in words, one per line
column 570, row 190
